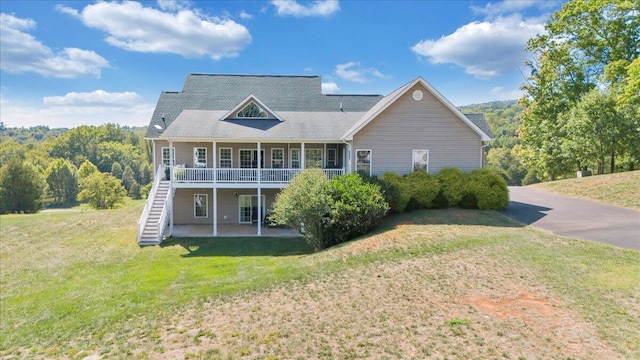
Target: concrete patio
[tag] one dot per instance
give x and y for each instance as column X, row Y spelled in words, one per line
column 230, row 230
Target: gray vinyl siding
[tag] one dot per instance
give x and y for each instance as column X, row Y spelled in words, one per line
column 409, row 125
column 228, row 205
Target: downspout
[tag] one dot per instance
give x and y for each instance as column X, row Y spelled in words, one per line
column 171, row 176
column 482, row 154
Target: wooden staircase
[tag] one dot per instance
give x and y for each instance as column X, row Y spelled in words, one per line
column 152, row 231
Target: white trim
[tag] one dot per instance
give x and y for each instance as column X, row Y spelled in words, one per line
column 321, row 157
column 282, row 159
column 370, row 159
column 170, row 157
column 413, row 158
column 220, row 157
column 335, row 157
column 232, row 113
column 252, row 159
column 391, row 98
column 206, row 208
column 195, row 156
column 291, row 158
column 251, row 196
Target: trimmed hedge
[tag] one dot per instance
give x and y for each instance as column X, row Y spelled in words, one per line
column 423, row 190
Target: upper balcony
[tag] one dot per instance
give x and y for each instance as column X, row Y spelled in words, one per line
column 239, row 177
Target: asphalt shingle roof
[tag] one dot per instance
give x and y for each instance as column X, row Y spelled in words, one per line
column 196, row 111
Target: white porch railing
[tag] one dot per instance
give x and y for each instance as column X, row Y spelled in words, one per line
column 164, row 217
column 152, row 194
column 234, row 175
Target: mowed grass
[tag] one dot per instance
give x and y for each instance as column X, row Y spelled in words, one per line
column 450, row 283
column 620, row 189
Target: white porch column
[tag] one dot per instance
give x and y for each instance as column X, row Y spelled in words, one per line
column 259, row 222
column 215, row 162
column 302, row 157
column 215, row 211
column 171, row 160
column 324, row 157
column 349, row 156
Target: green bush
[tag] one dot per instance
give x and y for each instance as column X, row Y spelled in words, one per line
column 489, row 189
column 453, row 182
column 423, row 190
column 357, row 206
column 395, row 192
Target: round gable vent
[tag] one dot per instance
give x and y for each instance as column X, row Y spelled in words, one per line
column 417, row 95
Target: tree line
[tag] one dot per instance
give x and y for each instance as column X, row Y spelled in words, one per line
column 99, row 165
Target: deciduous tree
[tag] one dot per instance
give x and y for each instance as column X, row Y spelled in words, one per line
column 22, row 187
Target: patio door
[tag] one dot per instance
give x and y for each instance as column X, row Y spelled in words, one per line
column 249, row 209
column 249, row 159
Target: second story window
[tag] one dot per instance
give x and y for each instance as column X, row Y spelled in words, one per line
column 277, row 158
column 225, row 157
column 200, row 157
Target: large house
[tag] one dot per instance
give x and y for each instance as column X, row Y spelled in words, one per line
column 225, row 145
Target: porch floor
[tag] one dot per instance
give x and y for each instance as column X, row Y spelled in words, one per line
column 230, row 230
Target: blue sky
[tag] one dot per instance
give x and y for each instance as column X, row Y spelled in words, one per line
column 71, row 63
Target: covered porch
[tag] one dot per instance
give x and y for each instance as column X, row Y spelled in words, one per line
column 230, row 230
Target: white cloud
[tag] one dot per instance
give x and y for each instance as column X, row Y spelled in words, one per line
column 499, row 93
column 509, row 6
column 133, row 27
column 485, row 49
column 353, row 71
column 96, row 98
column 22, row 52
column 174, row 5
column 75, row 109
column 245, row 15
column 330, row 88
column 315, row 8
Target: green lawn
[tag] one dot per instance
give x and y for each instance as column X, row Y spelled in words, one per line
column 620, row 189
column 75, row 284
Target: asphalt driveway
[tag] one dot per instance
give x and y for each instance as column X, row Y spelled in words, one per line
column 576, row 218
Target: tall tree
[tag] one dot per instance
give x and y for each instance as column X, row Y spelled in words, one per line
column 589, row 44
column 102, row 191
column 22, row 187
column 62, row 177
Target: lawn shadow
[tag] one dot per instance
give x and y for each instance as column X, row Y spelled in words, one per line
column 525, row 213
column 241, row 246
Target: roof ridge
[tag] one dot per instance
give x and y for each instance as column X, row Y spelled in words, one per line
column 254, row 75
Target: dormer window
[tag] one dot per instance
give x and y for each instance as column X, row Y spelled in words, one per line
column 251, row 110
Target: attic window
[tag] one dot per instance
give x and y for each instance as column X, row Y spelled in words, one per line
column 252, row 111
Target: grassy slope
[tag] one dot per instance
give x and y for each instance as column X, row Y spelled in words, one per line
column 620, row 189
column 74, row 284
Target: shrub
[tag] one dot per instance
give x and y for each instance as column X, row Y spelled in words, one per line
column 395, row 192
column 453, row 182
column 489, row 189
column 356, row 206
column 422, row 188
column 303, row 205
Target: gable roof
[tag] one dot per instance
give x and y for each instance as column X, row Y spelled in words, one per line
column 391, row 98
column 244, row 103
column 279, row 92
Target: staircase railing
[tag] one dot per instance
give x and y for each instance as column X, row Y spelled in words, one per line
column 164, row 217
column 147, row 206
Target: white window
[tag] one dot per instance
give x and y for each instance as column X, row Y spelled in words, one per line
column 225, row 158
column 363, row 161
column 295, row 158
column 249, row 159
column 199, row 157
column 313, row 158
column 253, row 111
column 249, row 209
column 166, row 151
column 200, row 206
column 277, row 158
column 332, row 161
column 421, row 160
